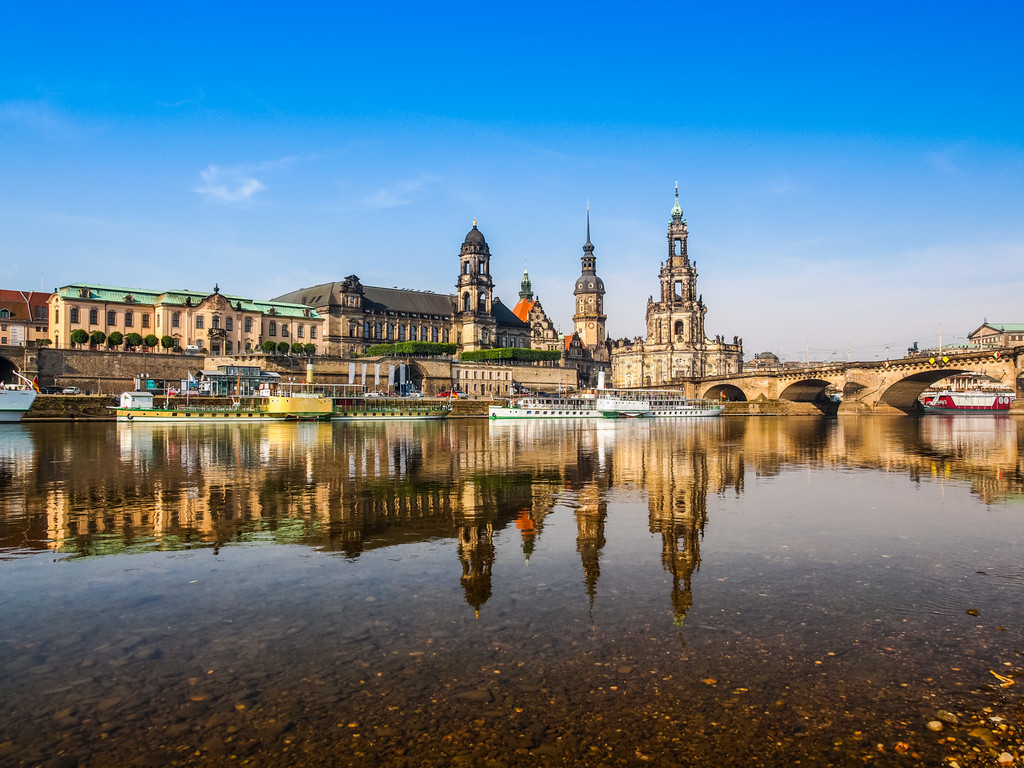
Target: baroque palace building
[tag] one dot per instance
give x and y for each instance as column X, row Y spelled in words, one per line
column 359, row 316
column 212, row 322
column 676, row 347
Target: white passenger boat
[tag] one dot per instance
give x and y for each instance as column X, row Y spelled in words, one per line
column 608, row 403
column 16, row 399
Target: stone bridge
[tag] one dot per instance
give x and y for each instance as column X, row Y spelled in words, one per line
column 881, row 385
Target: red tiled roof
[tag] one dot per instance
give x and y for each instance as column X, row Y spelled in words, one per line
column 522, row 309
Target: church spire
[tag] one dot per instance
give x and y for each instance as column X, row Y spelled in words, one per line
column 525, row 287
column 677, row 210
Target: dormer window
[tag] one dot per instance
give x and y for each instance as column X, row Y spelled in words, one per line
column 5, row 313
column 129, row 299
column 83, row 293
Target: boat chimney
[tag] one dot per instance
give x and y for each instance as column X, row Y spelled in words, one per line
column 309, row 373
column 600, row 379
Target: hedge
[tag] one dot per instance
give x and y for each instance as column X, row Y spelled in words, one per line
column 412, row 348
column 512, row 355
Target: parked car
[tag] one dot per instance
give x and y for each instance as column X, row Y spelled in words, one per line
column 414, row 394
column 50, row 390
column 71, row 391
column 453, row 394
column 376, row 394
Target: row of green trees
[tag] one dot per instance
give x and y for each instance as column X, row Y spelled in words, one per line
column 135, row 340
column 117, row 339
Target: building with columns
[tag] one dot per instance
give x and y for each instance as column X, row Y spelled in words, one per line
column 676, row 347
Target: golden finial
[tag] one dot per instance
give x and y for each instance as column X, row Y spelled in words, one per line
column 474, row 221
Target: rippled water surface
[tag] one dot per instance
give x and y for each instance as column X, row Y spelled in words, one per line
column 734, row 591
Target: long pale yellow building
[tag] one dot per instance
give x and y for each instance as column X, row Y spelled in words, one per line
column 213, row 322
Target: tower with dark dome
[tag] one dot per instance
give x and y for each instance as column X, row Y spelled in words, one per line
column 475, row 323
column 590, row 320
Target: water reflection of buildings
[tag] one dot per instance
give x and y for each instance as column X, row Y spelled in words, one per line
column 350, row 488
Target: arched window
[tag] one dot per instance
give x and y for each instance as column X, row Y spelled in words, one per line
column 679, row 328
column 677, row 247
column 482, row 303
column 465, row 268
column 433, row 334
column 216, row 322
column 444, row 335
column 465, row 302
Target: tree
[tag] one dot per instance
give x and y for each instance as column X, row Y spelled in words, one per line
column 309, row 349
column 132, row 340
column 297, row 348
column 167, row 342
column 269, row 346
column 96, row 338
column 79, row 336
column 44, row 342
column 283, row 347
column 150, row 341
column 115, row 339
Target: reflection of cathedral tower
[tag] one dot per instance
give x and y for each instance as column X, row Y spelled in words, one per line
column 475, row 324
column 590, row 518
column 590, row 319
column 679, row 513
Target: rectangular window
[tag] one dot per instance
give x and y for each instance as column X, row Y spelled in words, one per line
column 284, row 330
column 248, row 325
column 229, row 324
column 300, row 331
column 111, row 318
column 312, row 331
column 94, row 317
column 215, row 323
column 129, row 319
column 273, row 328
column 412, row 333
column 145, row 319
column 74, row 316
column 199, row 321
column 175, row 319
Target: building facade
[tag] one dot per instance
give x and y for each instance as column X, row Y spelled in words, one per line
column 359, row 316
column 994, row 335
column 676, row 347
column 213, row 323
column 24, row 317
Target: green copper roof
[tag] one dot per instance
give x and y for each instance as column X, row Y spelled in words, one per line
column 115, row 295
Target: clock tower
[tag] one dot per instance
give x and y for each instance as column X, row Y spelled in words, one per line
column 590, row 318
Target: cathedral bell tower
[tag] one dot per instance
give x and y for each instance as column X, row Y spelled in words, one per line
column 590, row 319
column 476, row 326
column 678, row 318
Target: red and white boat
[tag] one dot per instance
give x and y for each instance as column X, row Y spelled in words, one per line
column 968, row 395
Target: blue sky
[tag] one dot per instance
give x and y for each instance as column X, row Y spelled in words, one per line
column 852, row 173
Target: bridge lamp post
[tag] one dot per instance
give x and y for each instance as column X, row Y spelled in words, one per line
column 886, row 351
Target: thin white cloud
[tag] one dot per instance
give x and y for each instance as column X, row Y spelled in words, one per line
column 235, row 184
column 394, row 196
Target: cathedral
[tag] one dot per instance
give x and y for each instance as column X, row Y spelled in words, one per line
column 676, row 347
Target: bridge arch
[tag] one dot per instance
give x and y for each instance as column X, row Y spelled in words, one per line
column 729, row 392
column 904, row 394
column 806, row 391
column 7, row 369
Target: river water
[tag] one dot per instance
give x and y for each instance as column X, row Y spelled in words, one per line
column 733, row 591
